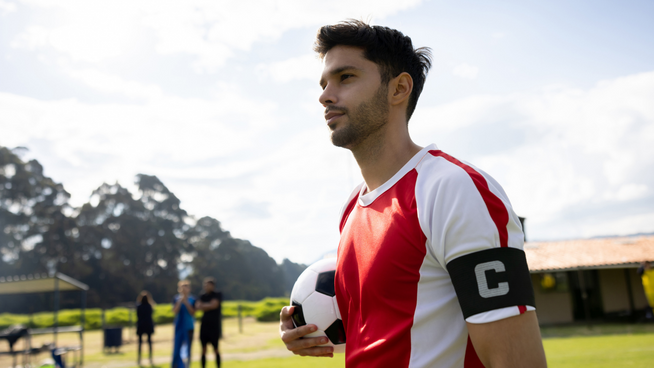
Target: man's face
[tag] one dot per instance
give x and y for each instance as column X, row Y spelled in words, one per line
column 208, row 287
column 355, row 101
column 184, row 289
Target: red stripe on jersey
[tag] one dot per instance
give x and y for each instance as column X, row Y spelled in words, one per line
column 381, row 251
column 495, row 206
column 471, row 359
column 522, row 308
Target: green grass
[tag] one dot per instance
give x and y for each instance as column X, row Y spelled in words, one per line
column 600, row 351
column 598, row 346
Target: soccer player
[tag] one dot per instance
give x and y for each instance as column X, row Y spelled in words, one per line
column 211, row 326
column 430, row 267
column 184, row 324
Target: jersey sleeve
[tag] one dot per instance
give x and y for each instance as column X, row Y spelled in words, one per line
column 464, row 211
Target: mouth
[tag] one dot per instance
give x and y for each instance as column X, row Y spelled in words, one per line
column 332, row 116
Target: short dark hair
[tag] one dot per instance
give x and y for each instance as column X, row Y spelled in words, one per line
column 210, row 280
column 390, row 49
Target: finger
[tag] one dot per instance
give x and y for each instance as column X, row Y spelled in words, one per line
column 289, row 333
column 318, row 351
column 307, row 343
column 287, row 313
column 286, row 320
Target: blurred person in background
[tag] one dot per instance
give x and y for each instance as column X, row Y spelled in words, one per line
column 183, row 307
column 144, row 323
column 646, row 274
column 211, row 326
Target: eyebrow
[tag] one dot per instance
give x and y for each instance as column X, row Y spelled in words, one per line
column 339, row 70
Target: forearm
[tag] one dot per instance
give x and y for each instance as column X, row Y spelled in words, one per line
column 189, row 307
column 214, row 304
column 508, row 343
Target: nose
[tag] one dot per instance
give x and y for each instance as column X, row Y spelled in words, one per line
column 327, row 97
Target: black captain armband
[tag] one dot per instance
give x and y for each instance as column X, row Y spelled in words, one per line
column 491, row 279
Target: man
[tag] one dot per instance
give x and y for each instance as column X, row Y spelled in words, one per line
column 430, row 269
column 184, row 324
column 211, row 326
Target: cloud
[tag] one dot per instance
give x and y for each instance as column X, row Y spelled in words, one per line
column 562, row 154
column 6, row 7
column 211, row 32
column 301, row 67
column 466, row 71
column 109, row 83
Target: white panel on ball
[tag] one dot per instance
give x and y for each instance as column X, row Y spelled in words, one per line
column 303, row 286
column 315, row 310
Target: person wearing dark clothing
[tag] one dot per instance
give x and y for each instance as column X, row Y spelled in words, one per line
column 211, row 326
column 144, row 323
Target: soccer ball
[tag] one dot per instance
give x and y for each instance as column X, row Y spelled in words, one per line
column 314, row 300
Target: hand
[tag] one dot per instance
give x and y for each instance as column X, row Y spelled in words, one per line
column 292, row 337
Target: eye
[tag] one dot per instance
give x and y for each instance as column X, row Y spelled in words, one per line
column 346, row 76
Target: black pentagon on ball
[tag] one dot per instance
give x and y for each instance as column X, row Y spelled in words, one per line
column 298, row 316
column 336, row 332
column 325, row 283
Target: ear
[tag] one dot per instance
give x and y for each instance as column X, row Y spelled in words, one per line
column 400, row 89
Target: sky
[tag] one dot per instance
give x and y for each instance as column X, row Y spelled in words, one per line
column 219, row 100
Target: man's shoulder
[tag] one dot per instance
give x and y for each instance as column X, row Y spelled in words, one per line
column 439, row 171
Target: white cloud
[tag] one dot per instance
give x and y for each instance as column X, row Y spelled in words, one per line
column 6, row 7
column 211, row 31
column 631, row 191
column 114, row 84
column 302, row 67
column 563, row 155
column 466, row 71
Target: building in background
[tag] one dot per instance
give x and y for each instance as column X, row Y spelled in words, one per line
column 589, row 279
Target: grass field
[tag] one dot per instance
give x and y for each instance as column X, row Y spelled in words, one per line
column 259, row 346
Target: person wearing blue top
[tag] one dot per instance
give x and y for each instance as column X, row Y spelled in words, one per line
column 183, row 307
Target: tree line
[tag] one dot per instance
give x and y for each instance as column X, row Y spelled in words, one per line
column 120, row 243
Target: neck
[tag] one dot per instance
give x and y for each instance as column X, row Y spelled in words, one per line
column 384, row 153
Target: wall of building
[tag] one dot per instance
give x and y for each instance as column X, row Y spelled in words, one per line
column 613, row 286
column 615, row 297
column 552, row 307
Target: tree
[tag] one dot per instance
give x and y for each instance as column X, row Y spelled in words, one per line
column 34, row 229
column 133, row 244
column 291, row 272
column 241, row 270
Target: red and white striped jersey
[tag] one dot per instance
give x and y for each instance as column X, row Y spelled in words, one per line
column 393, row 289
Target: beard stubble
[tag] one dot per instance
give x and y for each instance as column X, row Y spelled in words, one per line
column 364, row 120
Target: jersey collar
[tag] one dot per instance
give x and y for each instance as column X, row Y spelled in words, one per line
column 369, row 197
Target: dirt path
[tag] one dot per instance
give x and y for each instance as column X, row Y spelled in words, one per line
column 255, row 341
column 165, row 361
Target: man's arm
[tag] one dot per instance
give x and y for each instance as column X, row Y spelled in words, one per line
column 213, row 304
column 510, row 342
column 189, row 307
column 292, row 337
column 177, row 305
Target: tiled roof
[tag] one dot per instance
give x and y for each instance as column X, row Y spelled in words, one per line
column 589, row 253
